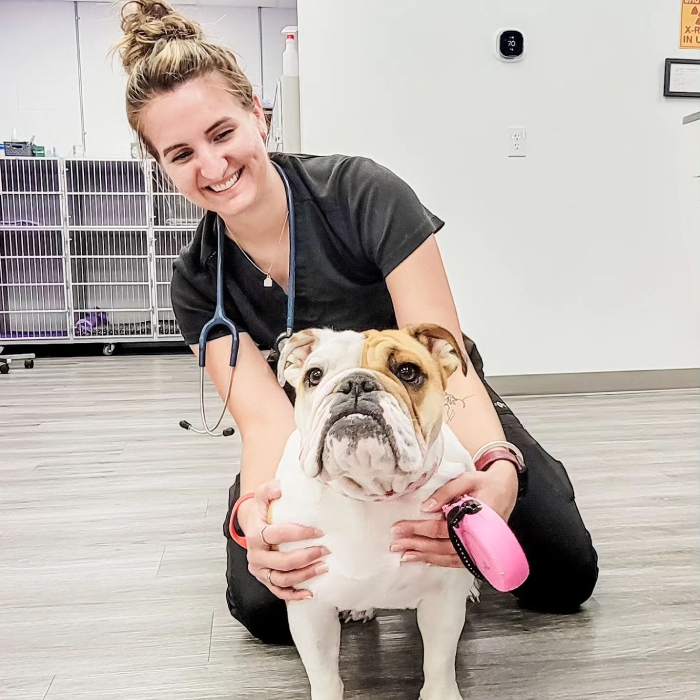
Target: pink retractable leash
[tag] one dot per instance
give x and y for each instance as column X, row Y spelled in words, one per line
column 485, row 544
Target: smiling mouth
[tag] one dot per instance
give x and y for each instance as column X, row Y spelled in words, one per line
column 224, row 186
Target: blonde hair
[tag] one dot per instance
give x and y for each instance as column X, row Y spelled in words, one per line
column 161, row 50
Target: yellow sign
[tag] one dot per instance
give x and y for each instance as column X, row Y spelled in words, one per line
column 690, row 24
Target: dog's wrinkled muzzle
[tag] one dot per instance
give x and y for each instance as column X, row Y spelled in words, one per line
column 363, row 440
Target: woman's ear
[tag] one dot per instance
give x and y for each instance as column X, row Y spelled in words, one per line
column 259, row 114
column 293, row 356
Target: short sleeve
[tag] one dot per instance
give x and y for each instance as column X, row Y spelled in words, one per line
column 386, row 213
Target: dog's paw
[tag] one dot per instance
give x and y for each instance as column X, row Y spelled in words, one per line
column 450, row 692
column 357, row 615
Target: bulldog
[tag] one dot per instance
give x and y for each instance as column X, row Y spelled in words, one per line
column 369, row 448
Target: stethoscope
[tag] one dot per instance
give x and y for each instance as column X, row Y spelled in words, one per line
column 220, row 319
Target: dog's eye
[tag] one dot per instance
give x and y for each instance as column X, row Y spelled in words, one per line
column 314, row 376
column 409, row 373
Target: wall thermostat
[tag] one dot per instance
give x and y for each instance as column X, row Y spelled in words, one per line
column 510, row 45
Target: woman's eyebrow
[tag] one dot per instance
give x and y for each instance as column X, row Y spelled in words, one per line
column 172, row 148
column 213, row 127
column 216, row 125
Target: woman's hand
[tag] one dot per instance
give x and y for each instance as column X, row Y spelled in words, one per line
column 279, row 571
column 428, row 540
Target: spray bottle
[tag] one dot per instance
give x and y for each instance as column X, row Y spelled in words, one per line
column 290, row 57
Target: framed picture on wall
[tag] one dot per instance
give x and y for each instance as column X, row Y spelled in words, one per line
column 682, row 77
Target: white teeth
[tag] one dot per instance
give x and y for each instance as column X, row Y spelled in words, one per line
column 228, row 184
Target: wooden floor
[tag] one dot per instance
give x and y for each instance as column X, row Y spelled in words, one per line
column 112, row 557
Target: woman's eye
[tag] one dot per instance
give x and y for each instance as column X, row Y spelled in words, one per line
column 182, row 156
column 314, row 376
column 408, row 372
column 223, row 135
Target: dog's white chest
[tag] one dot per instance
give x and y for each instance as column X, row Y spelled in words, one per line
column 363, row 572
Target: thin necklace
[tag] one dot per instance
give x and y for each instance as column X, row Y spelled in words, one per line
column 267, row 282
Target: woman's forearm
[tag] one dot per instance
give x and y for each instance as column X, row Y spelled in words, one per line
column 262, row 450
column 474, row 421
column 469, row 410
column 260, row 455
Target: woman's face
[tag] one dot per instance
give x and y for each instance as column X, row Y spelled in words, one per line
column 209, row 144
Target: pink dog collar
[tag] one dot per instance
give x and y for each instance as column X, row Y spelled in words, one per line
column 485, row 544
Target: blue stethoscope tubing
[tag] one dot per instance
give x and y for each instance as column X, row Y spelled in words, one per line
column 220, row 319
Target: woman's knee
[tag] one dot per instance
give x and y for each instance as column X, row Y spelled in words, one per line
column 261, row 613
column 560, row 586
column 252, row 604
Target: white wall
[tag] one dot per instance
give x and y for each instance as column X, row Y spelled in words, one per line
column 39, row 67
column 38, row 76
column 582, row 256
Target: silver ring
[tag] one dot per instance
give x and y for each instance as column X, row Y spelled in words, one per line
column 262, row 536
column 268, row 577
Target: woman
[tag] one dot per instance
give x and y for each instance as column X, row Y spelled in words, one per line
column 366, row 258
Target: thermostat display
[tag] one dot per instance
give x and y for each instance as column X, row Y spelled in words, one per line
column 510, row 45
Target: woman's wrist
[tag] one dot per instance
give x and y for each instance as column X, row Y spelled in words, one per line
column 506, row 472
column 242, row 516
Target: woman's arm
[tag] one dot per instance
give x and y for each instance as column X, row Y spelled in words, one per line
column 421, row 293
column 265, row 419
column 261, row 409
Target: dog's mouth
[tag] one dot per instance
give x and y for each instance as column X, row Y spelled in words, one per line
column 353, row 424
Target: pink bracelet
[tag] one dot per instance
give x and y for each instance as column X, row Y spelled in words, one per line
column 241, row 541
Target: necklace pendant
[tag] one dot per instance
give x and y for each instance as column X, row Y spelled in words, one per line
column 268, row 281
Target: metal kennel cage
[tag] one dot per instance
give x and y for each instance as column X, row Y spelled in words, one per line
column 86, row 251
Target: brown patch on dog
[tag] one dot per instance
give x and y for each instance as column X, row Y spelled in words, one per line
column 434, row 351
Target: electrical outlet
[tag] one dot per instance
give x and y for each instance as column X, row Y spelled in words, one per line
column 517, row 142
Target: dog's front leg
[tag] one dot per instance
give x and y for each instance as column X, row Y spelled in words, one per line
column 441, row 619
column 315, row 628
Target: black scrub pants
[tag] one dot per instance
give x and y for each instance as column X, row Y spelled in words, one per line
column 546, row 521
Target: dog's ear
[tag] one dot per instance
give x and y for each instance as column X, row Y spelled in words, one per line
column 293, row 356
column 442, row 346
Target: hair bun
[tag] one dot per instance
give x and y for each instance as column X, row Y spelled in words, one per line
column 148, row 23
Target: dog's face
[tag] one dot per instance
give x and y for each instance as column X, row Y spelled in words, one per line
column 369, row 406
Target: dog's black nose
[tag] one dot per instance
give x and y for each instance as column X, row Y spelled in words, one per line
column 358, row 384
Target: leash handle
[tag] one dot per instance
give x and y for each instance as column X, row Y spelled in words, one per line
column 485, row 544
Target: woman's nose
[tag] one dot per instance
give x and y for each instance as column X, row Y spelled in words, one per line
column 212, row 165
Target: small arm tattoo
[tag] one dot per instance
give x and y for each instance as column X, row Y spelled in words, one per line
column 450, row 403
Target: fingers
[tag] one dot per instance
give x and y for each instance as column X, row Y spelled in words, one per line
column 290, row 593
column 286, row 561
column 425, row 541
column 287, row 532
column 426, row 545
column 451, row 561
column 465, row 483
column 289, row 579
column 283, row 583
column 281, row 572
column 422, row 528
